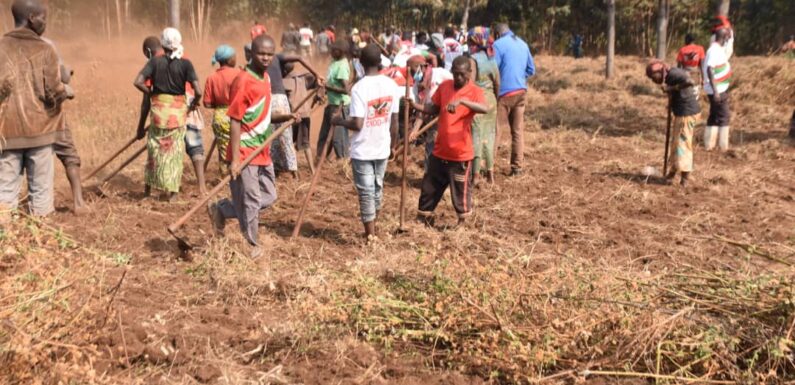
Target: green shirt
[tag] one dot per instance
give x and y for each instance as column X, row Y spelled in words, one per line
column 338, row 72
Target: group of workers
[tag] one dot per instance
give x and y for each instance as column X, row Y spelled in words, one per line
column 457, row 87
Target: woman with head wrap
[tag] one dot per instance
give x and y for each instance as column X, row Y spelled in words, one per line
column 168, row 75
column 217, row 96
column 684, row 105
column 487, row 77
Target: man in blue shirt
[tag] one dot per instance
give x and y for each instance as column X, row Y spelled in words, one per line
column 516, row 64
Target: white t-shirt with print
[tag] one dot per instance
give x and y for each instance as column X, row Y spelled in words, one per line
column 717, row 59
column 375, row 99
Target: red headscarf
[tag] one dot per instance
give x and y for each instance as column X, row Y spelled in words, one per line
column 721, row 22
column 656, row 66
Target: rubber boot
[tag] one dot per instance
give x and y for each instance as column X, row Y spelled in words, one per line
column 73, row 175
column 198, row 167
column 710, row 137
column 723, row 138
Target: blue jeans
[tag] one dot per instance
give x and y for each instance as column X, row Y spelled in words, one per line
column 193, row 143
column 368, row 176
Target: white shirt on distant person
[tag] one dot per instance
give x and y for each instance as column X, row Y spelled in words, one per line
column 306, row 36
column 452, row 50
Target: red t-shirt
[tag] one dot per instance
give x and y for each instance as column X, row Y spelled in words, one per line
column 251, row 105
column 454, row 138
column 691, row 55
column 218, row 86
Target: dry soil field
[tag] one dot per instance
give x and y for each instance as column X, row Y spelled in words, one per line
column 580, row 271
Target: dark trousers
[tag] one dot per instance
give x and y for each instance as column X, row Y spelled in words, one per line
column 339, row 141
column 301, row 134
column 510, row 113
column 65, row 149
column 719, row 113
column 441, row 174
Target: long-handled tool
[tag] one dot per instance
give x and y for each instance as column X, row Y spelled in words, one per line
column 122, row 166
column 110, row 159
column 398, row 150
column 210, row 154
column 667, row 140
column 183, row 245
column 383, row 50
column 315, row 178
column 404, row 178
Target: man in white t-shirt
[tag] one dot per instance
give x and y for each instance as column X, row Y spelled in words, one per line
column 307, row 37
column 717, row 77
column 452, row 48
column 375, row 102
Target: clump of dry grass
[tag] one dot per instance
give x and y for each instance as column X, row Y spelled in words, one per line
column 516, row 320
column 54, row 298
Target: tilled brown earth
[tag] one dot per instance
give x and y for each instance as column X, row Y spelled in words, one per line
column 567, row 268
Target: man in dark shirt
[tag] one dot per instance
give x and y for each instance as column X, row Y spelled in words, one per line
column 683, row 99
column 290, row 39
column 169, row 106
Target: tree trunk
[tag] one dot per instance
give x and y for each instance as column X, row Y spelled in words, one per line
column 611, row 38
column 662, row 28
column 173, row 13
column 127, row 11
column 119, row 20
column 723, row 7
column 465, row 19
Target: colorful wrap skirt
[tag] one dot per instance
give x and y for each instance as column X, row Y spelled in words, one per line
column 282, row 150
column 222, row 127
column 682, row 147
column 165, row 143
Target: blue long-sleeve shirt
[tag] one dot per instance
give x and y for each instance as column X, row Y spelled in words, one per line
column 515, row 61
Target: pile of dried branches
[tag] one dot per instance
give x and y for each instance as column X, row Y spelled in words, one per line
column 52, row 303
column 505, row 322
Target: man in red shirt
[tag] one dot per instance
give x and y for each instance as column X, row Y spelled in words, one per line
column 456, row 101
column 690, row 56
column 253, row 187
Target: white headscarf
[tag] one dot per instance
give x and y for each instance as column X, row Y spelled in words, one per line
column 172, row 41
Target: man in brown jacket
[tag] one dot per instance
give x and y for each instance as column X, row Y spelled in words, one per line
column 31, row 93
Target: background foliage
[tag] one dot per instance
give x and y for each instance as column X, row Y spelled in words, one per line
column 761, row 25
